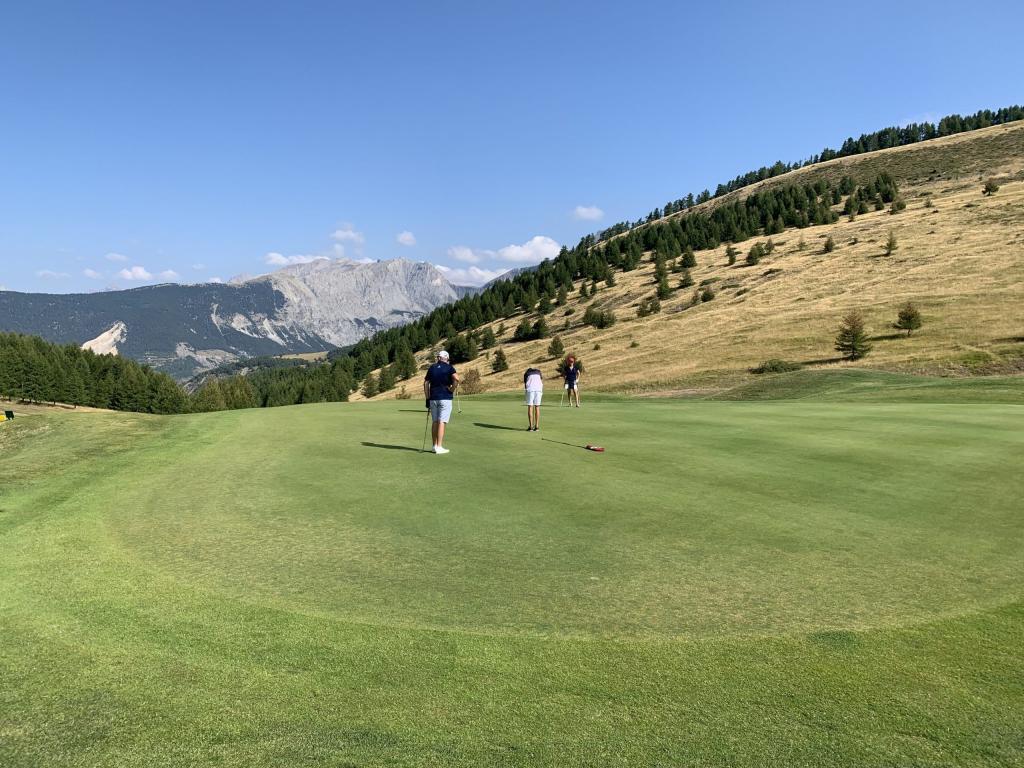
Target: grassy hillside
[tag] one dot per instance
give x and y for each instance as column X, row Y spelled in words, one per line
column 732, row 583
column 960, row 258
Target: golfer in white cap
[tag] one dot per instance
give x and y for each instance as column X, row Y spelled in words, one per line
column 438, row 385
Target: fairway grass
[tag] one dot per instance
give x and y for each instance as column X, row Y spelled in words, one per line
column 750, row 583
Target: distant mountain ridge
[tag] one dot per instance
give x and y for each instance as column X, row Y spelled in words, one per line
column 183, row 329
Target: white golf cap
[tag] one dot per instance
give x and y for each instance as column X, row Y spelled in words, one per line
column 443, row 355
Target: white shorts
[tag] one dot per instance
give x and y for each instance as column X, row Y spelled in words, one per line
column 441, row 410
column 533, row 397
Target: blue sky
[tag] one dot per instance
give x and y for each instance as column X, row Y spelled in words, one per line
column 198, row 140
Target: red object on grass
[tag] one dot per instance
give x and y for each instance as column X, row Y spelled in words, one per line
column 597, row 448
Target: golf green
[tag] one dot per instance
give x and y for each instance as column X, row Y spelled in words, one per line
column 730, row 583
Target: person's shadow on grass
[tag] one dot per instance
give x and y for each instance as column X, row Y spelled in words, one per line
column 391, row 447
column 495, row 426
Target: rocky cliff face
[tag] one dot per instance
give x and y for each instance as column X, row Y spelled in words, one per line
column 341, row 300
column 184, row 329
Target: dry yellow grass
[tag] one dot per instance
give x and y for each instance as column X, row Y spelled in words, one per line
column 960, row 261
column 23, row 409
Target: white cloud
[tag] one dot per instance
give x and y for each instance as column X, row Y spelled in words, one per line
column 115, row 257
column 533, row 251
column 135, row 273
column 198, row 267
column 467, row 254
column 49, row 274
column 470, row 275
column 280, row 260
column 347, row 233
column 215, row 280
column 406, row 238
column 92, row 274
column 168, row 274
column 587, row 213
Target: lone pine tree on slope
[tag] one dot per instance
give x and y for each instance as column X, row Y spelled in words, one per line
column 852, row 339
column 909, row 319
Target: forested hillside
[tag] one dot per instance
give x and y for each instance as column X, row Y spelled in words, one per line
column 674, row 244
column 872, row 190
column 267, row 386
column 680, row 252
column 887, row 138
column 767, row 272
column 35, row 370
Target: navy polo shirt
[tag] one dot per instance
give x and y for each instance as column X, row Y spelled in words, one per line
column 440, row 377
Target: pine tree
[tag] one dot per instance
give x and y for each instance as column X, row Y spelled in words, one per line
column 689, row 260
column 660, row 270
column 687, row 279
column 610, row 280
column 731, row 253
column 908, row 319
column 209, row 397
column 370, row 386
column 461, row 349
column 830, row 245
column 990, row 188
column 563, row 296
column 238, row 393
column 545, row 304
column 500, row 362
column 891, row 245
column 386, row 380
column 488, row 340
column 755, row 254
column 664, row 289
column 707, row 294
column 556, row 348
column 852, row 339
column 530, row 299
column 406, row 361
column 540, row 329
column 648, row 306
column 523, row 331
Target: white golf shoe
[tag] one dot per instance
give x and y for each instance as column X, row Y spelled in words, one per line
column 438, row 449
